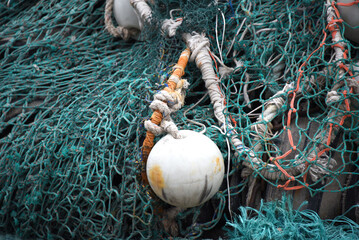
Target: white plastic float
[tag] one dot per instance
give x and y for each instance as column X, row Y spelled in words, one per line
column 185, row 172
column 125, row 14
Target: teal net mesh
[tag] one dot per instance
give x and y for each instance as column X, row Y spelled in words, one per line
column 278, row 220
column 73, row 100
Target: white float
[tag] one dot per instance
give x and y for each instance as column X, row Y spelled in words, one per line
column 350, row 14
column 185, row 172
column 125, row 14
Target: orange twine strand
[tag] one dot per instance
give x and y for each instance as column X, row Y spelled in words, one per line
column 348, row 4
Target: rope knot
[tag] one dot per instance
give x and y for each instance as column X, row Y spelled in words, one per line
column 332, row 97
column 318, row 166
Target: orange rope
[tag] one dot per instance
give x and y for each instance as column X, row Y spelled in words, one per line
column 157, row 116
column 348, row 4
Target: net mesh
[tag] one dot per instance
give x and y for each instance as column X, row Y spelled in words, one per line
column 73, row 100
column 278, row 220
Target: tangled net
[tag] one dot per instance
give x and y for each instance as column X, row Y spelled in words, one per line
column 73, row 101
column 278, row 220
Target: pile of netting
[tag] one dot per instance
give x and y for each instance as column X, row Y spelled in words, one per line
column 278, row 220
column 73, row 100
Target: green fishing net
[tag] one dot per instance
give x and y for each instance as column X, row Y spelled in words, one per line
column 73, row 100
column 278, row 220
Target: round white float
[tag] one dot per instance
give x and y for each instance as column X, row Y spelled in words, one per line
column 350, row 15
column 185, row 172
column 125, row 15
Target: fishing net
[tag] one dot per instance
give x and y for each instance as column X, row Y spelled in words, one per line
column 73, row 101
column 278, row 220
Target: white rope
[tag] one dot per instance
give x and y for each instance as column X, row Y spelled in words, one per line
column 199, row 45
column 168, row 103
column 144, row 12
column 169, row 26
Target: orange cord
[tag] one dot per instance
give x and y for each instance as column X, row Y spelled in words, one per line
column 348, row 4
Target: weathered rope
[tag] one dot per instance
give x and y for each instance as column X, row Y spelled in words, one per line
column 169, row 26
column 199, row 45
column 143, row 10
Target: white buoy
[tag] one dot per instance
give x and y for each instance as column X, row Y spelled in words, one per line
column 350, row 15
column 125, row 15
column 185, row 172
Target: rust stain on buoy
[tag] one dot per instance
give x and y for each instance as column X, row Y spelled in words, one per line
column 218, row 167
column 156, row 177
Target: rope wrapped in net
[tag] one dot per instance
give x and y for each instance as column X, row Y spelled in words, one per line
column 74, row 103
